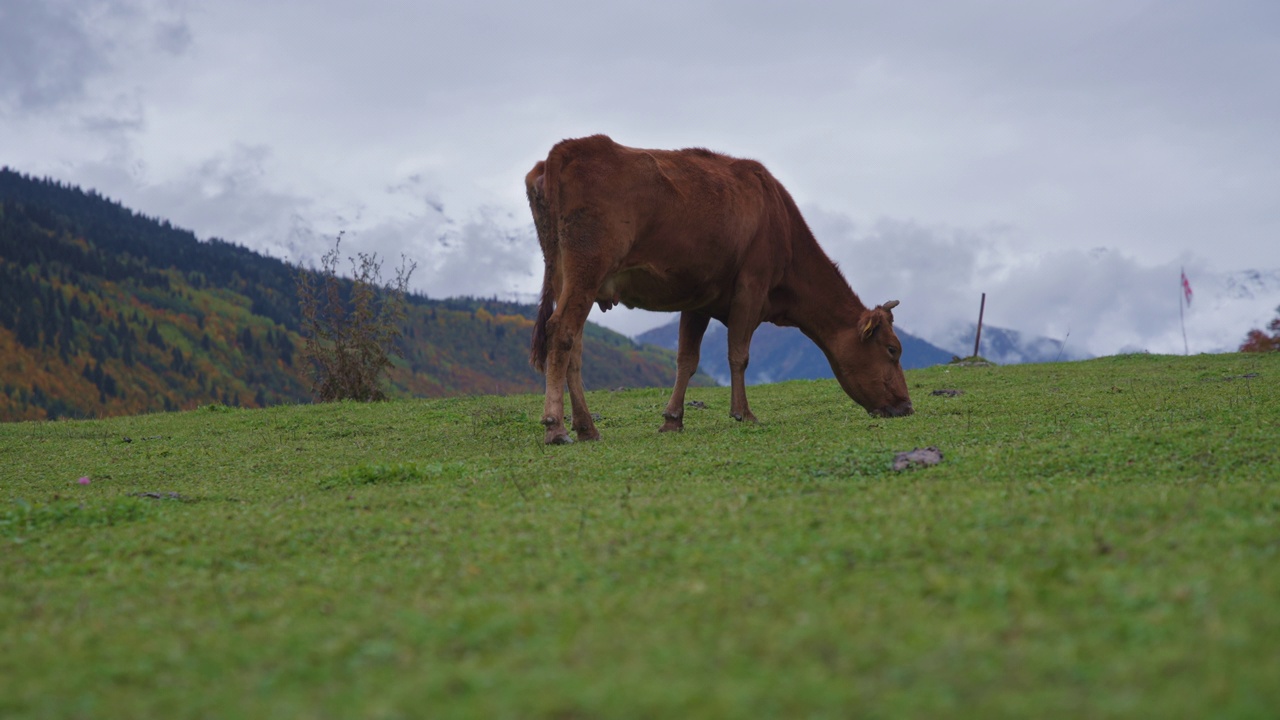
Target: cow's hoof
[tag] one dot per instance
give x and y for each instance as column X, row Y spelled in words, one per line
column 589, row 436
column 558, row 437
column 672, row 426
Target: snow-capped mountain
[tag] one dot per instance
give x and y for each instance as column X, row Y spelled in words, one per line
column 1247, row 285
column 1009, row 347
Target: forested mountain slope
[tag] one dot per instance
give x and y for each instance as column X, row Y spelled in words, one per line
column 104, row 311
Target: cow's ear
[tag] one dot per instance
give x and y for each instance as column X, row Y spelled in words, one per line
column 870, row 321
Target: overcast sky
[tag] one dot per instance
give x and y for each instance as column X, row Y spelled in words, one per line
column 1065, row 156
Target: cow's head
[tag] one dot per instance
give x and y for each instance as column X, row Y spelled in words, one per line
column 868, row 364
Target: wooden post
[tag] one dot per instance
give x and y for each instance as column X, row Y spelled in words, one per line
column 1182, row 295
column 978, row 339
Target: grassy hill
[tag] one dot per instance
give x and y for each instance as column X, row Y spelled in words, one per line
column 107, row 312
column 1100, row 540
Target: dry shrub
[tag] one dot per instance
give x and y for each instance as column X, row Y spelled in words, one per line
column 350, row 327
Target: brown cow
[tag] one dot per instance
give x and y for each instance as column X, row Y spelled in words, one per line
column 705, row 234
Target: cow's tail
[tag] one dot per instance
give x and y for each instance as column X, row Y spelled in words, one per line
column 538, row 345
column 544, row 222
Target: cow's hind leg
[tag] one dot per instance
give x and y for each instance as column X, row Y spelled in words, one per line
column 692, row 328
column 583, row 423
column 564, row 354
column 564, row 341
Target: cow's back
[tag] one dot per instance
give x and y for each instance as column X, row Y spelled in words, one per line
column 693, row 215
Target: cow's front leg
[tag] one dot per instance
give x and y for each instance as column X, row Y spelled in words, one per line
column 692, row 328
column 743, row 319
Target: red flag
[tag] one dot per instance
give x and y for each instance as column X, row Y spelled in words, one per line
column 1186, row 287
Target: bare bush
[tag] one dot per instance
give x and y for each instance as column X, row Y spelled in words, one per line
column 350, row 327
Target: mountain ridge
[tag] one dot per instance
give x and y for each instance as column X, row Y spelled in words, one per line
column 784, row 353
column 780, row 353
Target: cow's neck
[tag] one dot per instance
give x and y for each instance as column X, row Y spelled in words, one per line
column 821, row 302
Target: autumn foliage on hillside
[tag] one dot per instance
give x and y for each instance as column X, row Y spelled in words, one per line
column 1259, row 341
column 85, row 333
column 107, row 312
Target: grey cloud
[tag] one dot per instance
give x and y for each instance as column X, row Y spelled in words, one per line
column 485, row 255
column 491, row 253
column 173, row 37
column 229, row 196
column 1102, row 299
column 51, row 50
column 46, row 55
column 930, row 270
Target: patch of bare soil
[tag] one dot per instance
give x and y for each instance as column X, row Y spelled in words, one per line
column 919, row 457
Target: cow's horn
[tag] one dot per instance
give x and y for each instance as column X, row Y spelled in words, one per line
column 890, row 305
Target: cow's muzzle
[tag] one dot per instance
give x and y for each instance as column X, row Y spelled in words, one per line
column 902, row 409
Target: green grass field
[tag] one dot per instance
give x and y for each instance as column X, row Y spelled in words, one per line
column 1101, row 540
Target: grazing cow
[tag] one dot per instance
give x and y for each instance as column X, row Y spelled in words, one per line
column 707, row 235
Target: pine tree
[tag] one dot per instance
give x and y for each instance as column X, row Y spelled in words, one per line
column 155, row 338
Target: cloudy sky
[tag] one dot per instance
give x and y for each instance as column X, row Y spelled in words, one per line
column 1066, row 157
